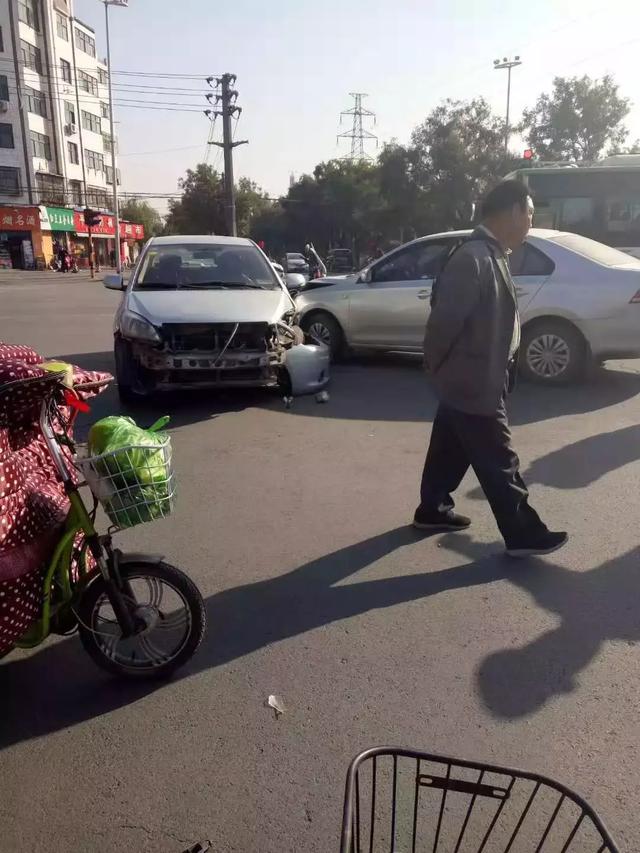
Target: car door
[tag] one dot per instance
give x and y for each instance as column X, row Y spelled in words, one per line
column 390, row 310
column 530, row 268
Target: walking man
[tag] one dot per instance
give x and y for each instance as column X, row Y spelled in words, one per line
column 471, row 350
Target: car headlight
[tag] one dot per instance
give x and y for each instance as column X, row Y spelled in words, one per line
column 136, row 328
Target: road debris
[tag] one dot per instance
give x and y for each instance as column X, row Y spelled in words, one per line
column 277, row 704
column 322, row 397
column 288, row 402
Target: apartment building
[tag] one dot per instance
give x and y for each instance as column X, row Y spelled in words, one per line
column 55, row 134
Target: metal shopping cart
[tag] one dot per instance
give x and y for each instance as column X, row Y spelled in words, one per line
column 403, row 801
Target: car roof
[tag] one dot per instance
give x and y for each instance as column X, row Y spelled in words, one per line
column 545, row 233
column 204, row 239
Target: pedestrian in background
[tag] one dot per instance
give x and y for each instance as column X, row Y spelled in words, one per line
column 471, row 352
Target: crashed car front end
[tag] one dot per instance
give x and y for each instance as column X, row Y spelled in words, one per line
column 240, row 354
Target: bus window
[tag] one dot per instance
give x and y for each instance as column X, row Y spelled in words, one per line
column 623, row 214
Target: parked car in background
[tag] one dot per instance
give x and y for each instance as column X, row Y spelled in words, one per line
column 296, row 262
column 340, row 261
column 579, row 300
column 209, row 312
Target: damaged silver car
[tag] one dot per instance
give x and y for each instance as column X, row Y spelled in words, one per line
column 209, row 312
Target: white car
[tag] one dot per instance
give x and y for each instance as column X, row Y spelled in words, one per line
column 578, row 300
column 209, row 312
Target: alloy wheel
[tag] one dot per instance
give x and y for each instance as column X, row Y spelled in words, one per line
column 548, row 356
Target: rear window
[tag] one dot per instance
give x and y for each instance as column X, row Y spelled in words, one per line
column 594, row 251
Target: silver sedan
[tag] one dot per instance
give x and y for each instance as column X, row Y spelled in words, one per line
column 579, row 300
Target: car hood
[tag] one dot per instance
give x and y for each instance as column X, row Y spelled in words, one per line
column 209, row 306
column 337, row 282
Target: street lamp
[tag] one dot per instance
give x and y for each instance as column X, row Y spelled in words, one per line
column 116, row 210
column 508, row 64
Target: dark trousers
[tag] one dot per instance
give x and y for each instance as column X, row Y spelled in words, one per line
column 460, row 440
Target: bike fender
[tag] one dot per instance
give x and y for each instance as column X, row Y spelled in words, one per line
column 152, row 559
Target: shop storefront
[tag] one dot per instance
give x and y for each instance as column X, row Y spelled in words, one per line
column 131, row 236
column 57, row 225
column 103, row 240
column 20, row 238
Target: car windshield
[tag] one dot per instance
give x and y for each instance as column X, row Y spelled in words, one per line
column 199, row 266
column 595, row 251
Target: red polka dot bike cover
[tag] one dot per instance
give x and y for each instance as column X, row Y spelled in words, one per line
column 33, row 505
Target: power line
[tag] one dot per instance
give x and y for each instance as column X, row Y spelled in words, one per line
column 358, row 134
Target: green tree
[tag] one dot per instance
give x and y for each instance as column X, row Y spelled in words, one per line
column 458, row 153
column 200, row 210
column 141, row 212
column 578, row 120
column 251, row 202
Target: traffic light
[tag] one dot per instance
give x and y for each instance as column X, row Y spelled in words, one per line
column 91, row 218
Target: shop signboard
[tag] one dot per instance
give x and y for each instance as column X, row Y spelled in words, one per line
column 131, row 231
column 19, row 218
column 106, row 228
column 56, row 219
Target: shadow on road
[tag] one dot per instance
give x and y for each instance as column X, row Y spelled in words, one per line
column 372, row 388
column 59, row 687
column 593, row 607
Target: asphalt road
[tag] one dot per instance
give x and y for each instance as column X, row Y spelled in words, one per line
column 294, row 524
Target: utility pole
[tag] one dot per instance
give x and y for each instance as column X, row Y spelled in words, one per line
column 227, row 100
column 358, row 134
column 508, row 64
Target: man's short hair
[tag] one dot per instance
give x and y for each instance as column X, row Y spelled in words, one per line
column 504, row 197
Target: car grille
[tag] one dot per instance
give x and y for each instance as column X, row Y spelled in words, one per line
column 214, row 337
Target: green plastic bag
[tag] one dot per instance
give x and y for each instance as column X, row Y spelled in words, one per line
column 134, row 464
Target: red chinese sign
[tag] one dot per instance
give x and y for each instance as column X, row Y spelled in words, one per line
column 107, row 225
column 19, row 218
column 131, row 231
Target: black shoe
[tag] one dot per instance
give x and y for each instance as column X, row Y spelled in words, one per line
column 448, row 520
column 541, row 543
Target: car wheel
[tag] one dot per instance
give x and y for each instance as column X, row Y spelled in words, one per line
column 324, row 329
column 126, row 373
column 552, row 353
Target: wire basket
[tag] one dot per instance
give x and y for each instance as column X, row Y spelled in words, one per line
column 402, row 801
column 134, row 484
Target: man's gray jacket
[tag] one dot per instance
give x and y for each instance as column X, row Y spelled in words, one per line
column 470, row 327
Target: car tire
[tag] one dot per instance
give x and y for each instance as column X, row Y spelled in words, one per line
column 325, row 329
column 552, row 353
column 125, row 373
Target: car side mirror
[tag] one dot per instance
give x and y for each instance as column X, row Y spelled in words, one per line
column 114, row 281
column 366, row 276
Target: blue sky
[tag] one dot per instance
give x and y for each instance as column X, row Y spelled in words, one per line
column 297, row 62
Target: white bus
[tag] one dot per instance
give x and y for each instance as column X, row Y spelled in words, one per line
column 601, row 201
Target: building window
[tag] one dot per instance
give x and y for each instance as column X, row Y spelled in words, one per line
column 104, row 108
column 97, row 197
column 106, row 142
column 40, row 145
column 1, row 41
column 109, row 174
column 87, row 83
column 36, row 101
column 91, row 122
column 28, row 13
column 6, row 136
column 95, row 160
column 62, row 27
column 65, row 67
column 72, row 148
column 69, row 113
column 103, row 77
column 9, row 181
column 30, row 56
column 75, row 190
column 4, row 88
column 50, row 189
column 85, row 43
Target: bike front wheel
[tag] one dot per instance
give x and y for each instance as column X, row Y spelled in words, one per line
column 169, row 614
